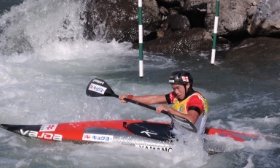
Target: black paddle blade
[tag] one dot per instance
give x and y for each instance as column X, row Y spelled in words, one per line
column 98, row 87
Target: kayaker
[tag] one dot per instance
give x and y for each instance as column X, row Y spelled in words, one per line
column 186, row 102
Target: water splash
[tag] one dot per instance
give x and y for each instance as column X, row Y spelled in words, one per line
column 34, row 24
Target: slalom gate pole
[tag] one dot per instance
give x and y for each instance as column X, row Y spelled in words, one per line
column 140, row 29
column 215, row 31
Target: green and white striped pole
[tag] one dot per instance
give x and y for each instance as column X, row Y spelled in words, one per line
column 215, row 31
column 140, row 28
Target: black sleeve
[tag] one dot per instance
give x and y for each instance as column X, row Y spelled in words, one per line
column 195, row 109
column 167, row 97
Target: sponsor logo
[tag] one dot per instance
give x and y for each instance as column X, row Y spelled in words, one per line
column 171, row 81
column 181, row 108
column 41, row 135
column 153, row 147
column 97, row 137
column 148, row 133
column 97, row 88
column 185, row 78
column 98, row 81
column 48, row 127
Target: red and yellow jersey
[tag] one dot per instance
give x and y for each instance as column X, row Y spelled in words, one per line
column 193, row 102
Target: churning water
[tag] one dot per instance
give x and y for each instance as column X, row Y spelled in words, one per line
column 46, row 64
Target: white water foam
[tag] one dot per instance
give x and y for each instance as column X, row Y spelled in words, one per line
column 34, row 24
column 45, row 65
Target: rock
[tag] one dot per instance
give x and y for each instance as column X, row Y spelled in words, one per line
column 180, row 43
column 160, row 34
column 178, row 22
column 180, row 26
column 163, row 11
column 117, row 19
column 233, row 16
column 265, row 21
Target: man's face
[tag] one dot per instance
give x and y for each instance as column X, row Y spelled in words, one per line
column 179, row 90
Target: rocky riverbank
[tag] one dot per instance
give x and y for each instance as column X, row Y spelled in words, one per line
column 180, row 26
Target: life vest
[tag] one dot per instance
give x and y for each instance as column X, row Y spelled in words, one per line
column 182, row 107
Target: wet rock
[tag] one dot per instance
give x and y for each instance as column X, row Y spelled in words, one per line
column 264, row 19
column 233, row 16
column 178, row 22
column 180, row 43
column 117, row 19
column 178, row 26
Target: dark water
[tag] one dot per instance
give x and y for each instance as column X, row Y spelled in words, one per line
column 7, row 4
column 45, row 83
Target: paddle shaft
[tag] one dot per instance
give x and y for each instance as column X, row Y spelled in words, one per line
column 172, row 117
column 142, row 104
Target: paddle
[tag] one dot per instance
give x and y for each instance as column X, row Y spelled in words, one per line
column 98, row 87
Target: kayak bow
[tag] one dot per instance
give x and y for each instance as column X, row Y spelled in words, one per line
column 138, row 133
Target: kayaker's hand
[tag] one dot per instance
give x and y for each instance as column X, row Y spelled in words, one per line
column 123, row 97
column 161, row 108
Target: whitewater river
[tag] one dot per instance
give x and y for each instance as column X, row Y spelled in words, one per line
column 45, row 66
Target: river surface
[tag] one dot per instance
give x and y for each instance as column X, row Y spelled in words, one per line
column 46, row 64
